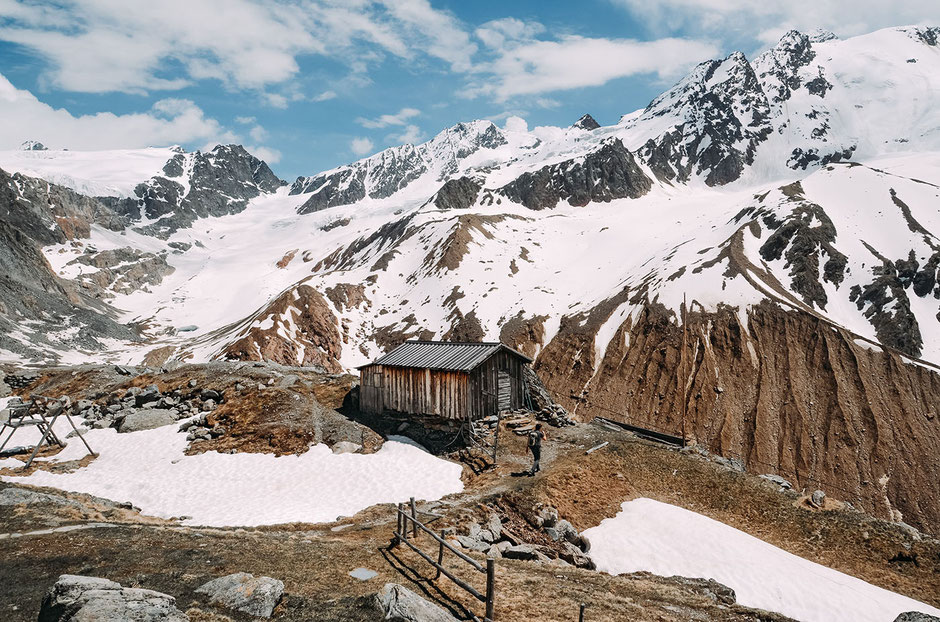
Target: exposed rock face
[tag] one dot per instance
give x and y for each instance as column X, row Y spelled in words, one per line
column 256, row 596
column 725, row 116
column 297, row 328
column 53, row 311
column 786, row 392
column 76, row 598
column 382, row 175
column 804, row 237
column 606, row 174
column 586, row 122
column 199, row 185
column 33, row 145
column 121, row 270
column 459, row 193
column 51, row 214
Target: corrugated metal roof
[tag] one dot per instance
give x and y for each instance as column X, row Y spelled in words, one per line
column 443, row 355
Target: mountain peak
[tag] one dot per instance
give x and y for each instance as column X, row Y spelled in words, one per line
column 33, row 145
column 821, row 35
column 586, row 122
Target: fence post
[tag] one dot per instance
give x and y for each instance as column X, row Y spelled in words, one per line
column 404, row 521
column 490, row 588
column 440, row 557
column 581, row 613
column 414, row 519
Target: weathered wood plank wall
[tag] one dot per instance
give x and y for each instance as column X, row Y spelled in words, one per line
column 446, row 394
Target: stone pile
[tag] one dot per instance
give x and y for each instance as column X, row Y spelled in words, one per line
column 20, row 380
column 555, row 415
column 546, row 408
column 140, row 408
column 571, row 547
column 145, row 408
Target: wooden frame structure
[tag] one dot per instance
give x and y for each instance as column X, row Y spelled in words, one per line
column 33, row 413
column 446, row 380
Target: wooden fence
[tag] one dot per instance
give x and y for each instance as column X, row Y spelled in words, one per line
column 416, row 527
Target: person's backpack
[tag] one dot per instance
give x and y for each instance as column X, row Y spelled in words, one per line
column 533, row 438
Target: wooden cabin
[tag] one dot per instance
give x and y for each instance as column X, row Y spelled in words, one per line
column 457, row 381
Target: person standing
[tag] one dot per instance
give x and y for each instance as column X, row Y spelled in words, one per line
column 536, row 437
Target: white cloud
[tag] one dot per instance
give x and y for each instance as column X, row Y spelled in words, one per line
column 399, row 118
column 99, row 46
column 412, row 134
column 530, row 66
column 361, row 146
column 766, row 21
column 440, row 34
column 168, row 122
column 516, row 124
column 258, row 134
column 496, row 33
column 324, row 96
column 269, row 155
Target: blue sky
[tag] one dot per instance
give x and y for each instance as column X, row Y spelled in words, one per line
column 312, row 84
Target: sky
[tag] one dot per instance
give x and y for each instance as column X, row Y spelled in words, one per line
column 308, row 85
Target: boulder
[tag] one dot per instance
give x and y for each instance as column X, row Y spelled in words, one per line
column 145, row 419
column 574, row 556
column 209, row 394
column 522, row 551
column 473, row 544
column 75, row 598
column 474, row 530
column 151, row 393
column 346, row 447
column 915, row 616
column 567, row 531
column 257, row 596
column 549, row 516
column 495, row 525
column 399, row 604
column 818, row 498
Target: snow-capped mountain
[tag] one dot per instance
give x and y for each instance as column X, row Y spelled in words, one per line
column 790, row 200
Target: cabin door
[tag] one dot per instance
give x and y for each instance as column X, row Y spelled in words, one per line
column 504, row 390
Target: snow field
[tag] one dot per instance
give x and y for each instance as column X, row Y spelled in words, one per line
column 668, row 540
column 93, row 173
column 149, row 469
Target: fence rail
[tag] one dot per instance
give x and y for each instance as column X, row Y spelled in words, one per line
column 416, row 527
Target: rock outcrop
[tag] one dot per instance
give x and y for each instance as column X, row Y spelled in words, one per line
column 586, row 122
column 76, row 598
column 198, row 185
column 399, row 604
column 244, row 592
column 383, row 174
column 297, row 328
column 608, row 173
column 783, row 392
